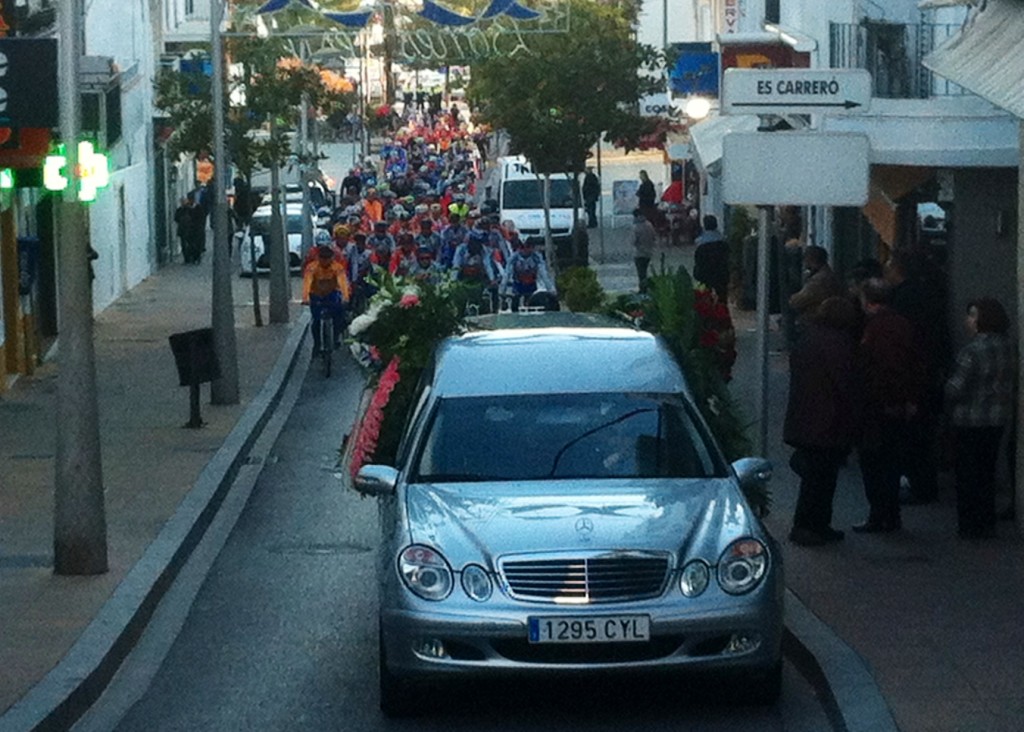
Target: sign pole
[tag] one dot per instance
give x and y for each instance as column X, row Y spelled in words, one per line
column 761, row 448
column 79, row 515
column 225, row 389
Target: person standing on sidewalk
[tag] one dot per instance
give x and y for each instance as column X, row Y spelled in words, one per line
column 644, row 239
column 711, row 259
column 821, row 415
column 591, row 192
column 980, row 393
column 893, row 382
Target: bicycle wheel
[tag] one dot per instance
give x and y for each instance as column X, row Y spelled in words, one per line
column 326, row 342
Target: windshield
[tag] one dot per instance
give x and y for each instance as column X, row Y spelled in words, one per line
column 549, row 436
column 261, row 224
column 529, row 193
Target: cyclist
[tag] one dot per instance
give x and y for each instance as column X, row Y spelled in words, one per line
column 325, row 289
column 526, row 270
column 322, row 238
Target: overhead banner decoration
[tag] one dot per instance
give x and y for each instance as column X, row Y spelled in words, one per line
column 432, row 30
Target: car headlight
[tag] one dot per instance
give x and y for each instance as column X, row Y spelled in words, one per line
column 742, row 566
column 694, row 578
column 425, row 572
column 476, row 582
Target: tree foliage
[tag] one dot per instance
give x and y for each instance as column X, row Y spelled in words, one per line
column 557, row 101
column 267, row 79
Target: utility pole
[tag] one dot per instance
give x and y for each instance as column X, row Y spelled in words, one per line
column 225, row 389
column 79, row 516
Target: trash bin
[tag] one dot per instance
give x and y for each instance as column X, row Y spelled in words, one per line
column 195, row 357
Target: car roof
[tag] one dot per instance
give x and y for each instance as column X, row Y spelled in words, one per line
column 265, row 210
column 555, row 360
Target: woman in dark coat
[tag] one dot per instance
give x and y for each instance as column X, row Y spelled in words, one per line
column 821, row 416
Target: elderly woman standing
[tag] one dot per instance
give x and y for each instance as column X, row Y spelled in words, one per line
column 980, row 394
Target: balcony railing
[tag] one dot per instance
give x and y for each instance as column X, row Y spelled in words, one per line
column 892, row 53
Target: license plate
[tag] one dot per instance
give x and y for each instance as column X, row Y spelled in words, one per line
column 603, row 629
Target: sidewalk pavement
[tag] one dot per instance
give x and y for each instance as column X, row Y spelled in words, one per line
column 933, row 620
column 153, row 469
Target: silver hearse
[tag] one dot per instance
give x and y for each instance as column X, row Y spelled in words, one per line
column 559, row 506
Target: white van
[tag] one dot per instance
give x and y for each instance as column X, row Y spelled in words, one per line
column 520, row 196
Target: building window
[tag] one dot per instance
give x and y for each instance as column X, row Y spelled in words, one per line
column 771, row 11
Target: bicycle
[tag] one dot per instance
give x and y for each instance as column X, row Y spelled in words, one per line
column 326, row 342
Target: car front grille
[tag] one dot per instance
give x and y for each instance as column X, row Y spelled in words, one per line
column 585, row 579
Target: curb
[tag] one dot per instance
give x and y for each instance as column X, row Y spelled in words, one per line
column 845, row 688
column 81, row 677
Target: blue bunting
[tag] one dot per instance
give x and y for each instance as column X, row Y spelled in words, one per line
column 351, row 20
column 443, row 16
column 431, row 11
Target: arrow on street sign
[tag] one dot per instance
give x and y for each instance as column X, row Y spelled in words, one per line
column 796, row 91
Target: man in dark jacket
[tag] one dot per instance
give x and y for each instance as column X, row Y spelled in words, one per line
column 821, row 416
column 892, row 377
column 711, row 259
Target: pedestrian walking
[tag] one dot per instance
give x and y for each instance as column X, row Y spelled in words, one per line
column 591, row 193
column 711, row 259
column 644, row 239
column 183, row 222
column 821, row 415
column 892, row 381
column 980, row 395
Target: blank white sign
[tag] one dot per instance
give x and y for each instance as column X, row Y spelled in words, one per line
column 794, row 168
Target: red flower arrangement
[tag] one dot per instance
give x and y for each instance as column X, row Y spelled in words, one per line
column 368, row 431
column 715, row 329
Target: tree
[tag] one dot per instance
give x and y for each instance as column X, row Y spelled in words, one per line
column 559, row 99
column 273, row 83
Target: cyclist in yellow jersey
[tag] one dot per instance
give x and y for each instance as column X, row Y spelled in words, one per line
column 325, row 288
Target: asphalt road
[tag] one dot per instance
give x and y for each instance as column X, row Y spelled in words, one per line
column 281, row 634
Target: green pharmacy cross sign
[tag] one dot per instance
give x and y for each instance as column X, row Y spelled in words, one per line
column 93, row 171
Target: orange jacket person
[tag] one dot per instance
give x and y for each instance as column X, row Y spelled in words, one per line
column 325, row 288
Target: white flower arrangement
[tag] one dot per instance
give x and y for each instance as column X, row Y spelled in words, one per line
column 364, row 321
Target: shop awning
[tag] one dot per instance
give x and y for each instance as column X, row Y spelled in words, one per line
column 708, row 134
column 987, row 56
column 943, row 132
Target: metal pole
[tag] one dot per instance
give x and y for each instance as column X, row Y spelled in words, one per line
column 1018, row 502
column 79, row 516
column 225, row 389
column 761, row 447
column 600, row 205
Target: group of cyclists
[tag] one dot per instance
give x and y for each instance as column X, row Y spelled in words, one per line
column 411, row 210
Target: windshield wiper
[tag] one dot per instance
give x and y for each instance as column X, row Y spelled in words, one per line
column 591, row 431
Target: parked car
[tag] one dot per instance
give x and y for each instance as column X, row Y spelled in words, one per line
column 258, row 231
column 573, row 516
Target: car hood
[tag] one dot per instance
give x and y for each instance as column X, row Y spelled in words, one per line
column 481, row 521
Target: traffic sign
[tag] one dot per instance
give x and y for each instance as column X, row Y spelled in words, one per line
column 795, row 168
column 796, row 91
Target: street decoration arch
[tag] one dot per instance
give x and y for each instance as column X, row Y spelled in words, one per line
column 420, row 31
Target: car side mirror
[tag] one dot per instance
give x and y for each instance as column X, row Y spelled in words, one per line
column 376, row 480
column 754, row 474
column 753, row 471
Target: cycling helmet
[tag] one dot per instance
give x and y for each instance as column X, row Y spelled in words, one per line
column 323, row 237
column 422, row 209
